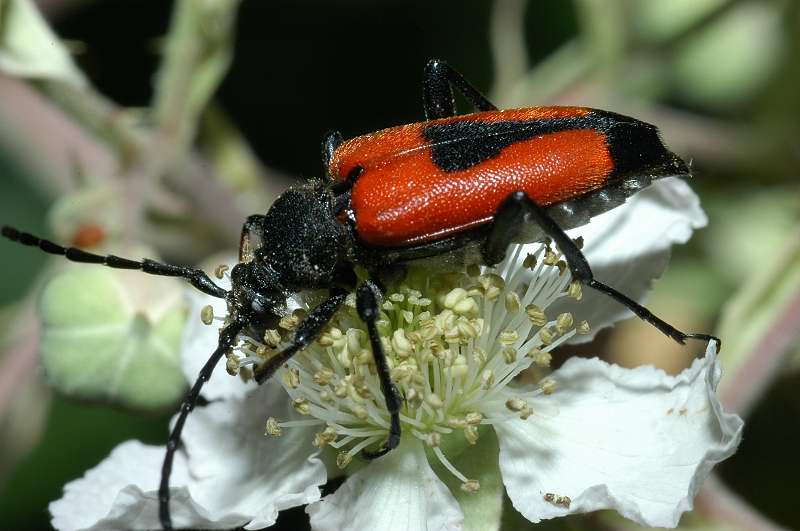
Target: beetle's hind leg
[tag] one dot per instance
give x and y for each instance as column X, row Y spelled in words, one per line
column 367, row 297
column 518, row 209
column 196, row 277
column 437, row 87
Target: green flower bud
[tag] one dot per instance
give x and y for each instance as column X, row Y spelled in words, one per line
column 114, row 336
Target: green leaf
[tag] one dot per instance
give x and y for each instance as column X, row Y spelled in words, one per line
column 98, row 344
column 29, row 48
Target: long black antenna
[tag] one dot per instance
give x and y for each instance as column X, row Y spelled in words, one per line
column 196, row 277
column 227, row 340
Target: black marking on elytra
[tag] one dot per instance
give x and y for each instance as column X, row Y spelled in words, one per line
column 634, row 146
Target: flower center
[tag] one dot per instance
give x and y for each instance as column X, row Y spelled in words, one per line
column 454, row 343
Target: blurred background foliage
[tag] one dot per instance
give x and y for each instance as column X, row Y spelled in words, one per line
column 165, row 123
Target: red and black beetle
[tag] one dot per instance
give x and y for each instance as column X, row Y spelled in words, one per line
column 459, row 188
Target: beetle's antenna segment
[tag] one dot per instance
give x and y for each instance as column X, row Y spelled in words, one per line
column 196, row 277
column 227, row 339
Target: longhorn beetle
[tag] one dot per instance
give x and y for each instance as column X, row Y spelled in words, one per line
column 454, row 187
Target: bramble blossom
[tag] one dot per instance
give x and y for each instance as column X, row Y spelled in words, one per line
column 583, row 437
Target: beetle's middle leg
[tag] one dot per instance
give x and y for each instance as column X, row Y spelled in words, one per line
column 367, row 297
column 518, row 209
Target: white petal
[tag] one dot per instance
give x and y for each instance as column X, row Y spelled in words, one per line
column 635, row 440
column 398, row 492
column 234, row 476
column 121, row 493
column 236, row 468
column 629, row 247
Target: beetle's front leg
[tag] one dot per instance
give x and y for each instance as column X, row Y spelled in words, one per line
column 367, row 297
column 307, row 331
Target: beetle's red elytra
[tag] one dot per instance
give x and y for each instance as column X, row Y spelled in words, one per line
column 425, row 181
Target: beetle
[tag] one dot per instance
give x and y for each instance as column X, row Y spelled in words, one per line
column 456, row 189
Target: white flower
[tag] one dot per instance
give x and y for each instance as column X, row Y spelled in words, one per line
column 584, row 437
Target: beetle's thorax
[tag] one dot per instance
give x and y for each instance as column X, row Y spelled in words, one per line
column 303, row 243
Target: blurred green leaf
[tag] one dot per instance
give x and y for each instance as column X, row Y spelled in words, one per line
column 30, row 49
column 659, row 21
column 77, row 437
column 199, row 51
column 732, row 57
column 759, row 328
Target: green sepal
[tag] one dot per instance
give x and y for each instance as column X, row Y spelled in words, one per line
column 483, row 509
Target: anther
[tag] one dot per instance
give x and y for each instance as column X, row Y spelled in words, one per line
column 272, row 338
column 433, row 439
column 207, row 315
column 547, row 335
column 575, row 291
column 289, row 322
column 558, row 500
column 471, row 434
column 291, row 377
column 541, row 358
column 548, row 386
column 508, row 337
column 583, row 328
column 401, row 345
column 301, row 405
column 324, row 437
column 343, row 459
column 273, row 429
column 512, row 302
column 536, row 315
column 510, row 354
column 220, row 271
column 473, row 418
column 323, row 376
column 471, row 486
column 564, row 322
column 232, row 365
